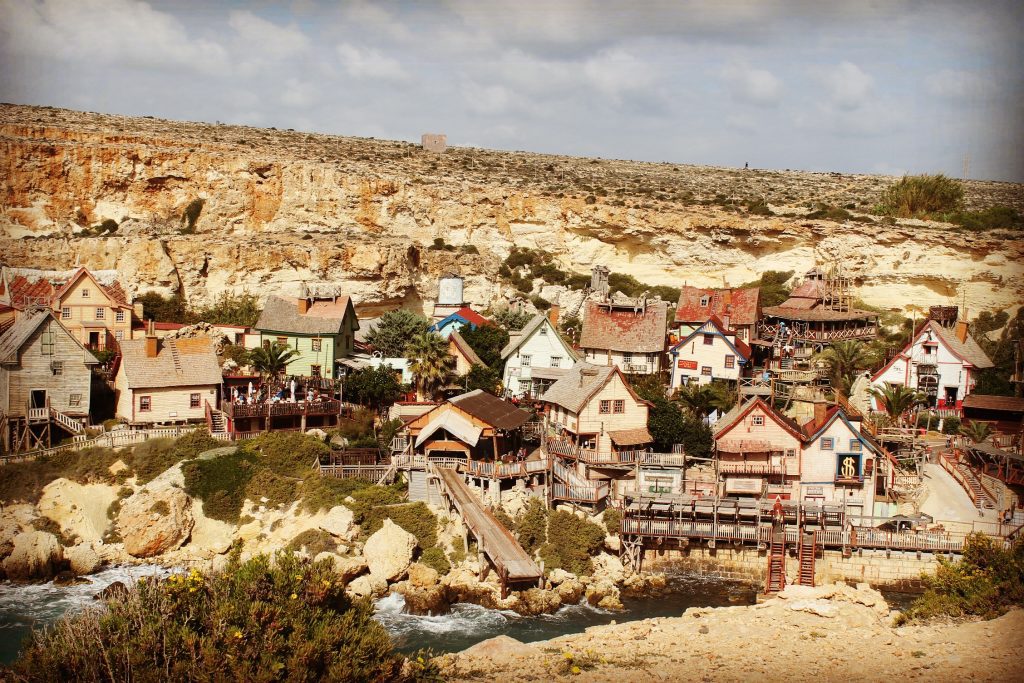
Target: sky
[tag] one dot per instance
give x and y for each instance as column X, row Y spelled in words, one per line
column 868, row 86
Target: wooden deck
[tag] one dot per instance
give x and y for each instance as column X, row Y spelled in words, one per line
column 512, row 563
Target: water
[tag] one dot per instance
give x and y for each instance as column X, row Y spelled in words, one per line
column 27, row 606
column 24, row 607
column 467, row 624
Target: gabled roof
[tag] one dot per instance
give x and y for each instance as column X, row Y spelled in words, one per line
column 324, row 317
column 179, row 363
column 837, row 413
column 464, row 348
column 801, row 312
column 741, row 348
column 621, row 328
column 1010, row 404
column 735, row 416
column 490, row 409
column 464, row 315
column 29, row 285
column 18, row 334
column 741, row 305
column 453, row 423
column 968, row 351
column 581, row 382
column 517, row 339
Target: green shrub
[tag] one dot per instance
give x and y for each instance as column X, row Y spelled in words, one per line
column 323, row 493
column 921, row 195
column 251, row 622
column 25, row 481
column 571, row 543
column 504, row 519
column 830, row 213
column 314, row 542
column 276, row 488
column 986, row 582
column 230, row 309
column 951, row 425
column 992, row 218
column 220, row 483
column 532, row 526
column 370, row 497
column 289, row 453
column 612, row 520
column 436, row 559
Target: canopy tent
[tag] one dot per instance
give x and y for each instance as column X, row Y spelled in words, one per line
column 454, row 424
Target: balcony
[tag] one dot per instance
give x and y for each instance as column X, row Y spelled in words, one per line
column 849, row 481
column 761, row 468
column 238, row 410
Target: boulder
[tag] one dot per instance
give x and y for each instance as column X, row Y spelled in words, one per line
column 155, row 520
column 603, row 594
column 79, row 509
column 500, row 648
column 422, row 576
column 432, row 600
column 559, row 576
column 535, row 601
column 82, row 559
column 608, row 567
column 114, row 591
column 35, row 555
column 68, row 578
column 209, row 536
column 388, row 551
column 339, row 522
column 570, row 592
column 366, row 586
column 347, row 568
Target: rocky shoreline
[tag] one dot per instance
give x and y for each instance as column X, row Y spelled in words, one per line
column 826, row 633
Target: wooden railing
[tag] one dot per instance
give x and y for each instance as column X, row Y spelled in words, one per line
column 241, row 410
column 579, row 494
column 503, row 470
column 69, row 423
column 727, row 467
column 115, row 439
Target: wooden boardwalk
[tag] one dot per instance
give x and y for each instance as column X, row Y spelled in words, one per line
column 512, row 563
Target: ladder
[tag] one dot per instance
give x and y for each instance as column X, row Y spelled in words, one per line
column 806, row 551
column 776, row 562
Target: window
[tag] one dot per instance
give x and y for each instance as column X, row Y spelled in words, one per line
column 741, row 333
column 46, row 342
column 119, row 316
column 193, row 400
column 790, row 452
column 101, row 313
column 75, row 400
column 145, row 404
column 705, row 370
column 314, row 371
column 556, row 361
column 730, row 361
column 65, row 313
column 543, row 330
column 856, row 446
column 709, row 339
column 704, row 301
column 524, row 360
column 627, row 358
column 119, row 335
column 239, row 338
column 652, row 358
column 57, row 367
column 85, row 293
column 605, row 407
column 282, row 341
column 315, row 344
column 828, row 443
column 757, row 420
column 619, row 406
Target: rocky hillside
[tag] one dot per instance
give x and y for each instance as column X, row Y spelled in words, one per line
column 271, row 209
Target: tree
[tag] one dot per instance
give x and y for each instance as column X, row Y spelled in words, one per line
column 487, row 341
column 844, row 359
column 511, row 320
column 648, row 387
column 696, row 398
column 271, row 360
column 978, row 432
column 897, row 399
column 723, row 396
column 375, row 387
column 230, row 309
column 667, row 424
column 163, row 309
column 394, row 330
column 772, row 284
column 430, row 362
column 482, row 377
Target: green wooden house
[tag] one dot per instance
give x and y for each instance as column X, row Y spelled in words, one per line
column 322, row 330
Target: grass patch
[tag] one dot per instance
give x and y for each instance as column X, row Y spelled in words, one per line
column 323, row 493
column 416, row 518
column 435, row 558
column 314, row 542
column 220, row 483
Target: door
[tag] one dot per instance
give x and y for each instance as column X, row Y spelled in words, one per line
column 951, row 397
column 94, row 340
column 37, row 398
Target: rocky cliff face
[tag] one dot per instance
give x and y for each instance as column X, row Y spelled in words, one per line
column 279, row 208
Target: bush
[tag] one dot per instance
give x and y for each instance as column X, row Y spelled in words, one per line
column 253, row 621
column 289, row 453
column 992, row 218
column 830, row 213
column 323, row 493
column 612, row 520
column 220, row 483
column 230, row 309
column 275, row 488
column 986, row 582
column 436, row 559
column 25, row 481
column 532, row 526
column 571, row 542
column 314, row 542
column 921, row 195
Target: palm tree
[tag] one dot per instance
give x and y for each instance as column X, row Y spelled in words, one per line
column 430, row 362
column 272, row 359
column 897, row 399
column 844, row 360
column 978, row 432
column 723, row 396
column 696, row 398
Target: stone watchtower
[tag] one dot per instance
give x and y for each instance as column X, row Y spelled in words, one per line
column 434, row 142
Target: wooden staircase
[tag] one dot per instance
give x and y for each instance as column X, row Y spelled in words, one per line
column 418, row 487
column 805, row 551
column 776, row 563
column 217, row 421
column 70, row 424
column 982, row 498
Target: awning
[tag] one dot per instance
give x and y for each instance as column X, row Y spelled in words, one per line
column 746, row 446
column 549, row 373
column 630, row 437
column 743, row 485
column 454, row 424
column 354, row 363
column 994, row 452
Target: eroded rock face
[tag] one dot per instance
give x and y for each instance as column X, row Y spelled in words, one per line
column 339, row 522
column 82, row 559
column 155, row 520
column 35, row 555
column 79, row 509
column 388, row 551
column 348, row 568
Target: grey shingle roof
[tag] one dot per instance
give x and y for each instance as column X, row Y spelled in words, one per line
column 22, row 330
column 578, row 386
column 282, row 315
column 621, row 328
column 178, row 363
column 517, row 338
column 968, row 349
column 491, row 409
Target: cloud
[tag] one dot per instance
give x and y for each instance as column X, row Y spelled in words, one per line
column 123, row 32
column 486, row 99
column 367, row 63
column 269, row 39
column 847, row 85
column 955, row 84
column 616, row 72
column 756, row 86
column 299, row 94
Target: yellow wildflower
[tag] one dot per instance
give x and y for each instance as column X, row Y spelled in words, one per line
column 294, row 596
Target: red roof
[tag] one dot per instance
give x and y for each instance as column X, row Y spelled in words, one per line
column 741, row 346
column 741, row 305
column 49, row 286
column 472, row 317
column 619, row 328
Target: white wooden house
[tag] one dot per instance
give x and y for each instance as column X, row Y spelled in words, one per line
column 538, row 345
column 710, row 352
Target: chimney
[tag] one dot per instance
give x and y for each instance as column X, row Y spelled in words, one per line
column 152, row 343
column 553, row 315
column 961, row 330
column 303, row 306
column 726, row 319
column 820, row 410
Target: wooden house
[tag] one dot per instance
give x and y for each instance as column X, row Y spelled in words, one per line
column 1004, row 414
column 739, row 309
column 465, row 356
column 758, row 450
column 45, row 381
column 462, row 318
column 627, row 333
column 167, row 381
column 322, row 331
column 710, row 352
column 538, row 345
column 475, row 426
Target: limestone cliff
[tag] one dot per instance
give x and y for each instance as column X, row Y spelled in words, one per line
column 282, row 207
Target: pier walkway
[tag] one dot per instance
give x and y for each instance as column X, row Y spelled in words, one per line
column 512, row 563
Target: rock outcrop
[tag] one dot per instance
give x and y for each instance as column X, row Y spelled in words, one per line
column 35, row 555
column 82, row 559
column 388, row 551
column 339, row 522
column 79, row 509
column 155, row 520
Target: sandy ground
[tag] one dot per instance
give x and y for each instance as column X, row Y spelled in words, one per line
column 776, row 640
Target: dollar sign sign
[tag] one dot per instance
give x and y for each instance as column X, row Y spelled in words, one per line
column 848, row 469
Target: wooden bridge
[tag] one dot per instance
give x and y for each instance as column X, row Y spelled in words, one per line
column 512, row 563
